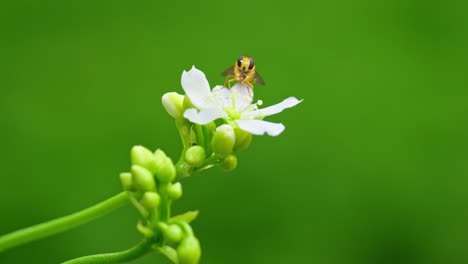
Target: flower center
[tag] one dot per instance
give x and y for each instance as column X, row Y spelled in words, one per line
column 232, row 113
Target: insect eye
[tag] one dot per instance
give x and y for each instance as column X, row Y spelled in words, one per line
column 239, row 61
column 252, row 64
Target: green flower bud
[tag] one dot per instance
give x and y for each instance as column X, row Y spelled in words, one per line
column 165, row 169
column 175, row 191
column 150, row 200
column 189, row 251
column 126, row 179
column 172, row 233
column 143, row 157
column 223, row 140
column 243, row 139
column 143, row 179
column 174, row 104
column 159, row 155
column 229, row 163
column 195, row 156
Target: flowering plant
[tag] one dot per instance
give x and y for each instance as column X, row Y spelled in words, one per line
column 214, row 126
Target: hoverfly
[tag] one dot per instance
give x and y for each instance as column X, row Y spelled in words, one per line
column 244, row 72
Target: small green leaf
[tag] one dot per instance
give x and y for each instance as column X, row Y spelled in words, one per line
column 187, row 217
column 170, row 253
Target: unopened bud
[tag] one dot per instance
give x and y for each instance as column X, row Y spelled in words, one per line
column 174, row 104
column 229, row 163
column 150, row 200
column 175, row 191
column 165, row 169
column 127, row 181
column 223, row 140
column 189, row 250
column 243, row 139
column 172, row 233
column 143, row 179
column 195, row 156
column 143, row 157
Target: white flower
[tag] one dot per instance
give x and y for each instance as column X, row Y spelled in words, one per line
column 233, row 105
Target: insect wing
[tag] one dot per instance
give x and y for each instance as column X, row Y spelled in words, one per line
column 229, row 71
column 259, row 79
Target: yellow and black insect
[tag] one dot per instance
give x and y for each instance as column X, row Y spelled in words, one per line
column 243, row 72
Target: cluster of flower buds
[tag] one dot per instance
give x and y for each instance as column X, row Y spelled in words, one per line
column 152, row 188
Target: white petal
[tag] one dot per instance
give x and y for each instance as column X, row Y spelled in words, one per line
column 197, row 88
column 243, row 96
column 205, row 116
column 222, row 96
column 271, row 110
column 260, row 127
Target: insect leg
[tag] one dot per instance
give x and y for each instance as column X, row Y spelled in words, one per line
column 228, row 79
column 229, row 82
column 248, row 83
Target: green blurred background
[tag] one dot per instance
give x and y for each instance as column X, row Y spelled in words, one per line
column 372, row 166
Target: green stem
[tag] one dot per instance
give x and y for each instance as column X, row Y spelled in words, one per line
column 165, row 207
column 184, row 133
column 117, row 257
column 62, row 224
column 200, row 136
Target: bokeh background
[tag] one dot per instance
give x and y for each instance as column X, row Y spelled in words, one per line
column 372, row 167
